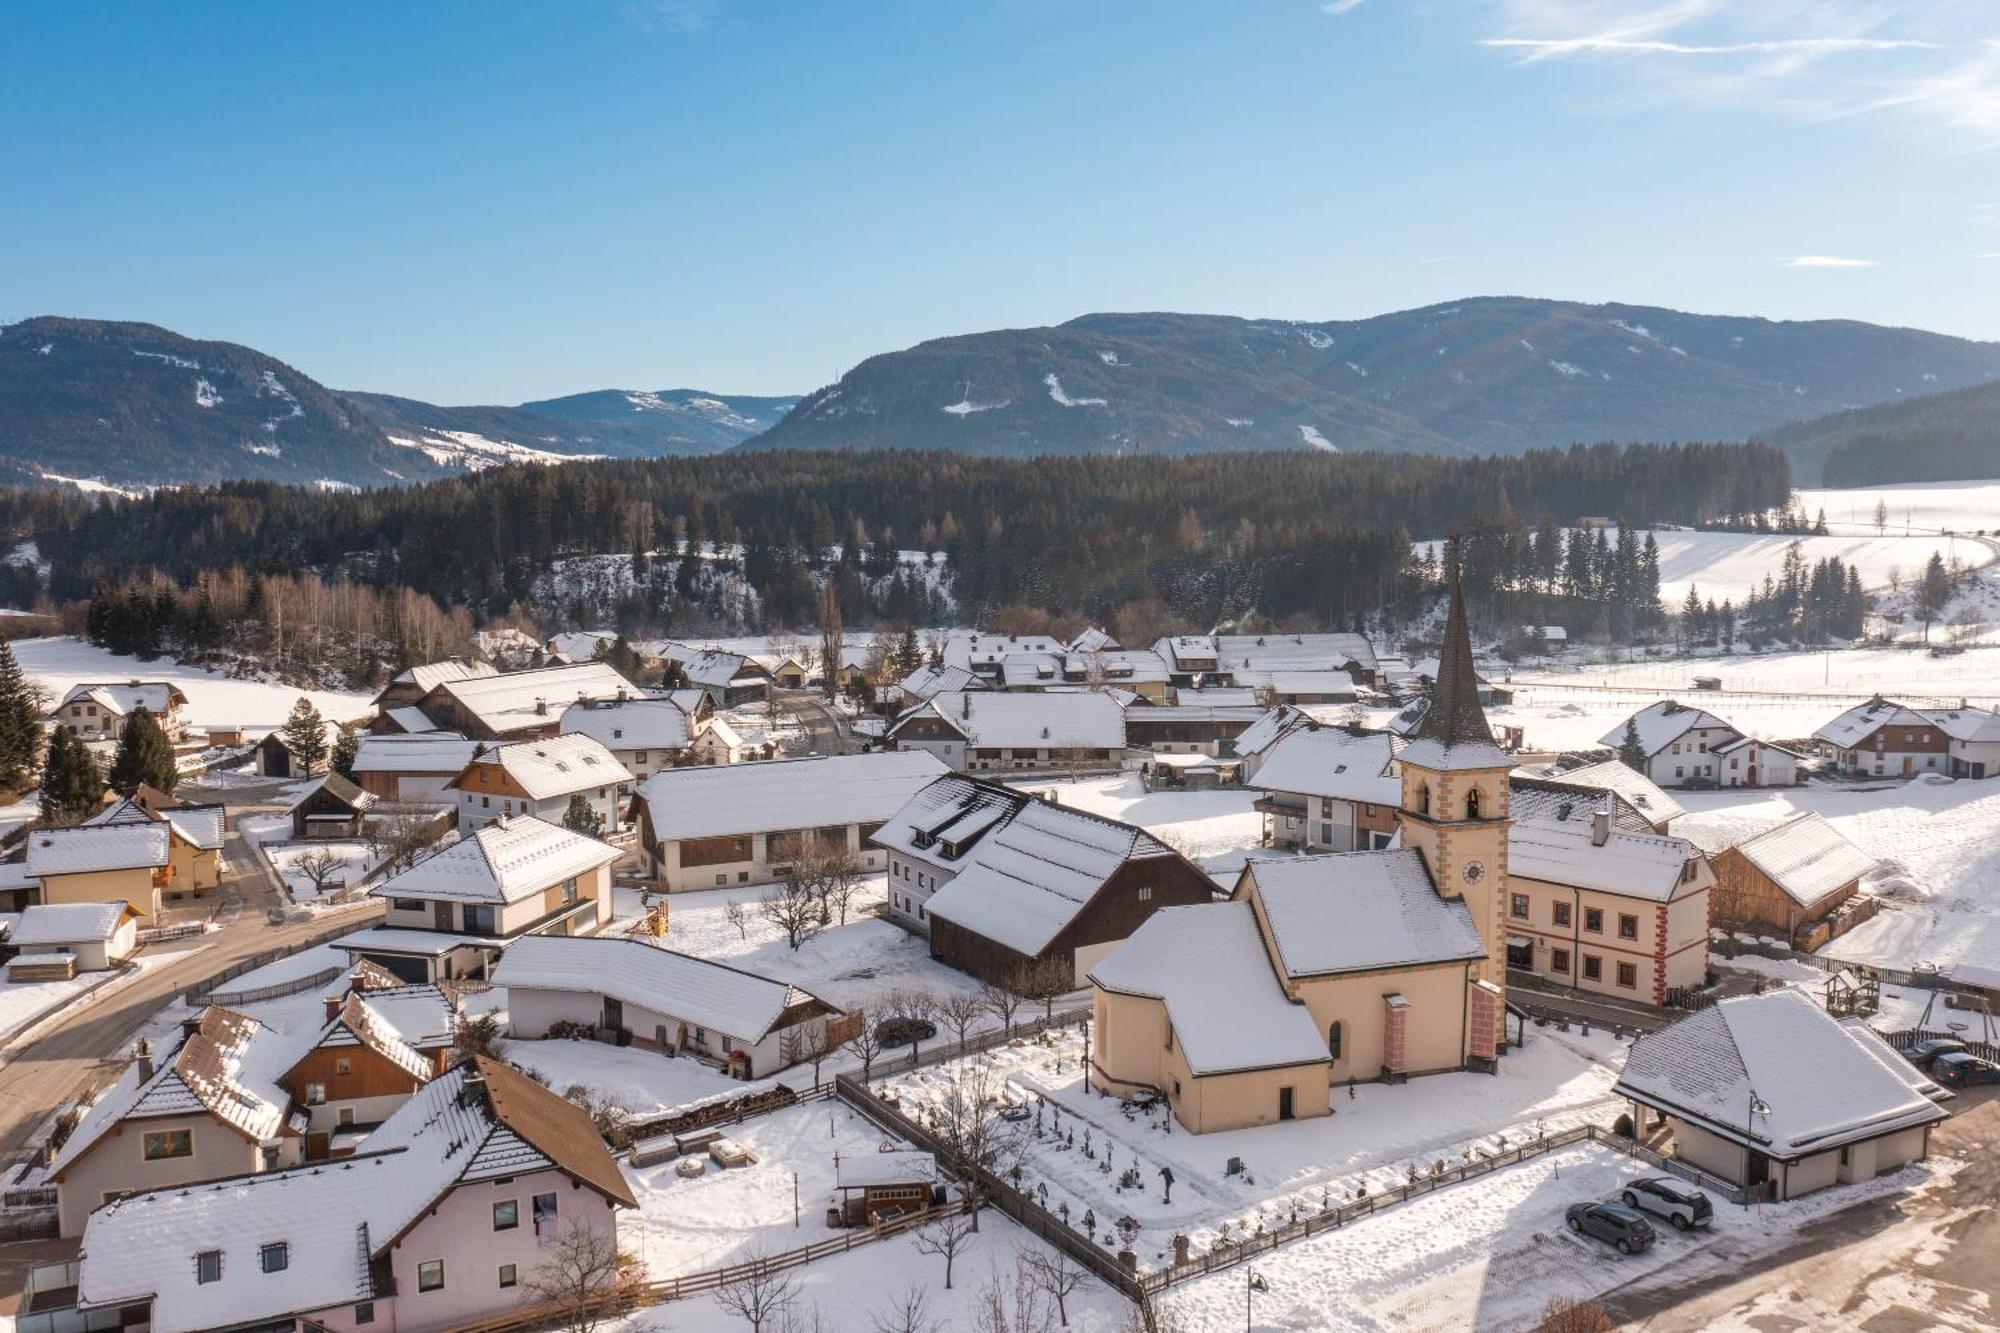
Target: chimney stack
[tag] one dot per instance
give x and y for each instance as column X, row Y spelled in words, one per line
column 143, row 1053
column 1600, row 827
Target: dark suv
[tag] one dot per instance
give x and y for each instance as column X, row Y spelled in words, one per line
column 1962, row 1069
column 1612, row 1223
column 1930, row 1049
column 1663, row 1196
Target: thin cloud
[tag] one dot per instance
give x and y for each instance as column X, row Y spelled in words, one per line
column 1540, row 48
column 1438, row 259
column 1990, row 254
column 1340, row 6
column 1828, row 261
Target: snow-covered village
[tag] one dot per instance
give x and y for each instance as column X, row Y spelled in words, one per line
column 683, row 666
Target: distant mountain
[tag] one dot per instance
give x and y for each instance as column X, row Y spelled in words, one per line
column 1488, row 375
column 92, row 401
column 1937, row 437
column 606, row 423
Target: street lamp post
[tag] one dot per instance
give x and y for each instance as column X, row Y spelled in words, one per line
column 1253, row 1282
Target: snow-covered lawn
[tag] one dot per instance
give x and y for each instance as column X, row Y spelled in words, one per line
column 1214, row 829
column 1491, row 1253
column 643, row 1082
column 352, row 860
column 1376, row 1133
column 213, row 698
column 1914, row 508
column 855, row 964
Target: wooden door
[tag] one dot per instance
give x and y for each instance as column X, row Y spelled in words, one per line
column 1285, row 1104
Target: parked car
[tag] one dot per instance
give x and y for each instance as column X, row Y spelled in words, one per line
column 1963, row 1069
column 1931, row 1048
column 1612, row 1223
column 1663, row 1196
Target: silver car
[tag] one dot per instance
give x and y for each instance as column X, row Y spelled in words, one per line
column 1663, row 1196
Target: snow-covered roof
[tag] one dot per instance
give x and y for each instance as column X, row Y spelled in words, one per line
column 93, row 847
column 1559, row 848
column 520, row 700
column 630, row 724
column 1640, row 791
column 1357, row 911
column 1823, row 1087
column 902, row 1166
column 504, row 862
column 555, row 766
column 1267, row 729
column 422, row 1015
column 1966, row 724
column 1749, row 742
column 1093, row 640
column 412, row 941
column 428, row 675
column 200, row 825
column 707, row 994
column 1207, row 964
column 336, row 1217
column 433, row 752
column 811, row 792
column 1018, row 670
column 1188, row 651
column 580, row 645
column 1227, row 696
column 68, row 923
column 1293, row 652
column 155, row 696
column 1860, row 722
column 1123, row 666
column 227, row 1067
column 1663, row 723
column 358, row 1023
column 1806, row 857
column 709, row 667
column 931, row 679
column 1328, row 761
column 969, row 649
column 1024, row 867
column 1305, row 682
column 413, row 720
column 1047, row 720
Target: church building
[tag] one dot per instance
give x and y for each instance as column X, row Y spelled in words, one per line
column 1321, row 970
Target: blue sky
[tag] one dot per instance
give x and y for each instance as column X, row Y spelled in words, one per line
column 498, row 202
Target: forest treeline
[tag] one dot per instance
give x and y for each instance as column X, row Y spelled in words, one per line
column 1294, row 538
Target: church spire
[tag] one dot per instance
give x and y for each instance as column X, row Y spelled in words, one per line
column 1454, row 732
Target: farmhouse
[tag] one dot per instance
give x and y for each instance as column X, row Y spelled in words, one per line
column 194, row 844
column 1786, row 880
column 647, row 734
column 930, row 680
column 1973, row 736
column 632, row 992
column 1140, row 670
column 411, row 684
column 728, row 679
column 208, row 1110
column 518, row 705
column 1885, row 739
column 1769, row 1091
column 456, row 1202
column 994, row 732
column 982, row 654
column 58, row 941
column 1022, row 892
column 452, row 912
column 1679, row 744
column 1188, row 728
column 539, row 778
column 1329, row 789
column 412, row 770
column 98, row 712
column 1320, row 969
column 364, row 1064
column 103, row 863
column 1253, row 659
column 709, row 827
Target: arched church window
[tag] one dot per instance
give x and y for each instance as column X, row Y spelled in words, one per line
column 1472, row 803
column 1333, row 1041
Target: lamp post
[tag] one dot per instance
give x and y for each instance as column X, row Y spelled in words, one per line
column 1253, row 1281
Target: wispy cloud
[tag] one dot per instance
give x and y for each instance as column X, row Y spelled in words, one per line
column 677, row 15
column 1828, row 261
column 1990, row 254
column 1935, row 63
column 1339, row 6
column 1438, row 259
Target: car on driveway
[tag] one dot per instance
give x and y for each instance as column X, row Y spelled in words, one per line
column 1962, row 1069
column 1677, row 1201
column 1614, row 1224
column 1930, row 1049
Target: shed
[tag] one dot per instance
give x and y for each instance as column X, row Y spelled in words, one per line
column 877, row 1186
column 72, row 937
column 335, row 808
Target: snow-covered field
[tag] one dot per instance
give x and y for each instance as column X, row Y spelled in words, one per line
column 1376, row 1133
column 213, row 698
column 1915, row 508
column 1733, row 564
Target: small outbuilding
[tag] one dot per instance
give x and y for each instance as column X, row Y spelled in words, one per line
column 876, row 1187
column 58, row 940
column 336, row 808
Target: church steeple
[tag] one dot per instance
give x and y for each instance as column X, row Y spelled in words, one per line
column 1454, row 733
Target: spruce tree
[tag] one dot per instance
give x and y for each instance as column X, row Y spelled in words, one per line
column 145, row 755
column 304, row 734
column 20, row 722
column 582, row 818
column 1631, row 752
column 346, row 744
column 71, row 785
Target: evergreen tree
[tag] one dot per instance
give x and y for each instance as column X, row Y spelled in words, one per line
column 582, row 818
column 20, row 722
column 1631, row 752
column 346, row 744
column 304, row 734
column 145, row 755
column 71, row 784
column 1933, row 594
column 909, row 655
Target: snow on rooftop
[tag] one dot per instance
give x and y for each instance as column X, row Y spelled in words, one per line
column 1806, row 858
column 645, row 976
column 430, row 752
column 902, row 1166
column 519, row 700
column 1207, row 964
column 90, row 848
column 1329, row 761
column 1860, row 722
column 1559, row 850
column 930, row 680
column 558, row 765
column 1824, row 1087
column 1048, row 720
column 67, row 923
column 1293, row 652
column 504, row 862
column 630, row 724
column 1360, row 910
column 1661, row 724
column 783, row 794
column 155, row 696
column 1640, row 791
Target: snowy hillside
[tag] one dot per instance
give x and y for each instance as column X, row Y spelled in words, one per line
column 590, row 588
column 471, row 451
column 213, row 698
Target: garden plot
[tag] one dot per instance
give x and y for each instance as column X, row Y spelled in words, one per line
column 1094, row 1157
column 1491, row 1253
column 854, row 965
column 343, row 864
column 644, row 1082
column 1214, row 829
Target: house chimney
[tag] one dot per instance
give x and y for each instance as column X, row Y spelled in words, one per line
column 143, row 1053
column 542, row 707
column 1600, row 827
column 472, row 1091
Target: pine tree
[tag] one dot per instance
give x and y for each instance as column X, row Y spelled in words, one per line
column 346, row 744
column 304, row 734
column 582, row 818
column 909, row 654
column 1933, row 594
column 145, row 755
column 20, row 722
column 1631, row 752
column 71, row 784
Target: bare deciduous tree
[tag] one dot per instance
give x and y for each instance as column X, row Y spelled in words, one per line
column 960, row 1010
column 913, row 1009
column 1013, row 1303
column 580, row 1279
column 947, row 1236
column 761, row 1296
column 1002, row 1003
column 865, row 1045
column 1056, row 1274
column 1047, row 980
column 1565, row 1314
column 974, row 1137
column 319, row 866
column 737, row 915
column 401, row 841
column 805, row 1043
column 908, row 1313
column 793, row 908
